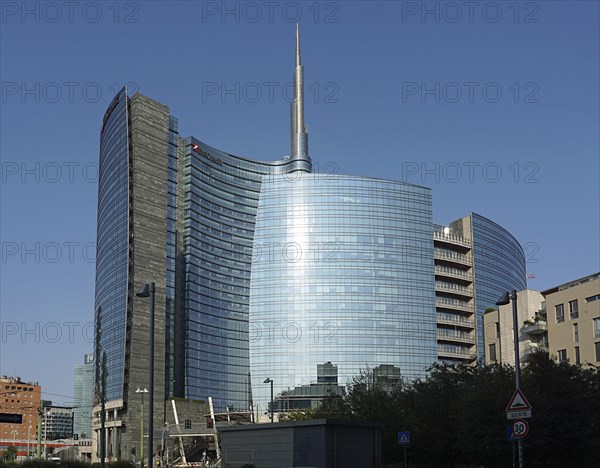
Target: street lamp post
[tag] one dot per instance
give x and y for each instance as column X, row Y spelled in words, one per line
column 504, row 300
column 28, row 441
column 142, row 391
column 46, row 434
column 268, row 380
column 162, row 445
column 148, row 290
column 15, row 432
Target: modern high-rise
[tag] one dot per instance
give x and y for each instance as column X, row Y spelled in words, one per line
column 476, row 261
column 83, row 397
column 57, row 422
column 266, row 270
column 349, row 280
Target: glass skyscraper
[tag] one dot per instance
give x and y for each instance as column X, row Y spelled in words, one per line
column 342, row 273
column 221, row 198
column 499, row 263
column 83, row 397
column 266, row 270
column 112, row 243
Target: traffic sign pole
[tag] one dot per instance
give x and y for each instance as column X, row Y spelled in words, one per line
column 404, row 440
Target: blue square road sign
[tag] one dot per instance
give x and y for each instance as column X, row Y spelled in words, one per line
column 404, row 438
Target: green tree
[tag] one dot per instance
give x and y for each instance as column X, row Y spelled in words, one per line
column 10, row 453
column 457, row 414
column 298, row 415
column 564, row 429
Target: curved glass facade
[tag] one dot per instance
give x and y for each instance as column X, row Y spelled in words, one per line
column 499, row 263
column 221, row 198
column 342, row 274
column 112, row 245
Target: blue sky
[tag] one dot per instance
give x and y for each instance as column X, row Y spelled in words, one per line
column 494, row 106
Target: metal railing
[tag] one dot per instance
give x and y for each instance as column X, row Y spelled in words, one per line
column 449, row 349
column 453, row 287
column 454, row 272
column 455, row 318
column 447, row 302
column 438, row 234
column 454, row 256
column 455, row 334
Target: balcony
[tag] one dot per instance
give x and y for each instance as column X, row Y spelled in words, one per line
column 451, row 238
column 534, row 348
column 449, row 256
column 454, row 288
column 455, row 335
column 455, row 304
column 535, row 328
column 451, row 319
column 455, row 352
column 453, row 273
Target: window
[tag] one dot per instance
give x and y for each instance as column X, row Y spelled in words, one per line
column 493, row 353
column 575, row 332
column 562, row 355
column 560, row 313
column 593, row 298
column 577, row 356
column 573, row 309
column 597, row 328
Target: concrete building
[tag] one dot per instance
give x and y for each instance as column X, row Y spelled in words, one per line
column 21, row 400
column 57, row 422
column 573, row 311
column 533, row 329
column 563, row 321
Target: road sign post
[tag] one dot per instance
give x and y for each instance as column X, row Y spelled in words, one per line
column 404, row 440
column 518, row 406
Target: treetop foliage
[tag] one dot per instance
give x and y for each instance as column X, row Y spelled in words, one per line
column 457, row 414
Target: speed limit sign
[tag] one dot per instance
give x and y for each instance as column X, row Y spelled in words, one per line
column 520, row 428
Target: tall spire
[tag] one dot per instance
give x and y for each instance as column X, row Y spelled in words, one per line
column 299, row 136
column 297, row 45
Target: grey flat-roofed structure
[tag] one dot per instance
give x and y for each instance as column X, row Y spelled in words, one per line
column 318, row 443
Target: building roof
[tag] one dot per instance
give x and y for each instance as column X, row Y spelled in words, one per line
column 570, row 284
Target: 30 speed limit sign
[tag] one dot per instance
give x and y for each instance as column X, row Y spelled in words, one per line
column 520, row 428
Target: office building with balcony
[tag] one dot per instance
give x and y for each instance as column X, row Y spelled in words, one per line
column 563, row 321
column 476, row 261
column 57, row 422
column 573, row 311
column 264, row 269
column 532, row 328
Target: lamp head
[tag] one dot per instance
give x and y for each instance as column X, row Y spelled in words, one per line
column 268, row 380
column 144, row 292
column 505, row 299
